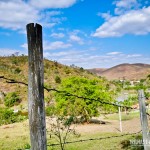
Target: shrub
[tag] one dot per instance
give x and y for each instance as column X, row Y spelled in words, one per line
column 7, row 116
column 17, row 70
column 50, row 110
column 57, row 79
column 11, row 99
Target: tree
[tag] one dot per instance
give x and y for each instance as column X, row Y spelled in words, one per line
column 60, row 129
column 92, row 89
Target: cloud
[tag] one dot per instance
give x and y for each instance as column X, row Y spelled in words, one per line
column 113, row 53
column 134, row 56
column 51, row 45
column 52, row 3
column 106, row 16
column 57, row 35
column 123, row 6
column 55, row 45
column 133, row 22
column 126, row 3
column 76, row 38
column 15, row 14
column 9, row 52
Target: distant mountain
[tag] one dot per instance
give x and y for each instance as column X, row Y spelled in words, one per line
column 97, row 70
column 135, row 71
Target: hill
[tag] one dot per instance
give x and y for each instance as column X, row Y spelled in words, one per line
column 135, row 71
column 16, row 67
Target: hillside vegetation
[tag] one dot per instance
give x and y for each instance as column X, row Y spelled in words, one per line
column 16, row 67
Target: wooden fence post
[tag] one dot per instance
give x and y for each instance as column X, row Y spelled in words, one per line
column 36, row 106
column 144, row 122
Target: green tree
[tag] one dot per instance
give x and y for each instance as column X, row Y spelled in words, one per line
column 92, row 89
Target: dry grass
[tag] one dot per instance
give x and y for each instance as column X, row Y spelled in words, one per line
column 16, row 136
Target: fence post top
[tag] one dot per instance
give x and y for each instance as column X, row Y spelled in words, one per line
column 33, row 25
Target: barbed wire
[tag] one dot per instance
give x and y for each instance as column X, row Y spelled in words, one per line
column 94, row 139
column 81, row 97
column 65, row 93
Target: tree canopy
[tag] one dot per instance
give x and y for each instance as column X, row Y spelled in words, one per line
column 92, row 89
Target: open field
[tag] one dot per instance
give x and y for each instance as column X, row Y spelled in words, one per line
column 16, row 136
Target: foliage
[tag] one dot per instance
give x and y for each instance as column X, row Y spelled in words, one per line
column 7, row 116
column 11, row 99
column 127, row 144
column 84, row 87
column 130, row 101
column 57, row 79
column 147, row 95
column 50, row 110
column 17, row 70
column 27, row 146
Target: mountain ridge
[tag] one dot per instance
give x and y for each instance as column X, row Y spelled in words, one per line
column 135, row 71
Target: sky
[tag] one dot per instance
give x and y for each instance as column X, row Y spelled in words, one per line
column 86, row 33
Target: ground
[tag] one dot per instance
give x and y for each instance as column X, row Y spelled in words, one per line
column 16, row 136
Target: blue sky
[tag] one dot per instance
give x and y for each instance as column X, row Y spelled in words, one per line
column 87, row 33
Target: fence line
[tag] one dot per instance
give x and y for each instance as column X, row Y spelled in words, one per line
column 95, row 139
column 65, row 93
column 69, row 94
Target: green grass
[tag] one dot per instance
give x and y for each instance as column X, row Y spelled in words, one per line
column 105, row 144
column 129, row 116
column 16, row 137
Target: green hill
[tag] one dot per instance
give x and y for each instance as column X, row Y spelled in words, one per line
column 16, row 67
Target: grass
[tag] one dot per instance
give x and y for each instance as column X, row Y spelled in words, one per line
column 16, row 137
column 124, row 117
column 105, row 144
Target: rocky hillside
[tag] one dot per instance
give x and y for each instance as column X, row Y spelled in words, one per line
column 128, row 71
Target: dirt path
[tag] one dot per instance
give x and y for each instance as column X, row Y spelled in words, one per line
column 111, row 126
column 130, row 126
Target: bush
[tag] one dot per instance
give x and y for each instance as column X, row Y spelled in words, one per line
column 7, row 116
column 57, row 79
column 50, row 110
column 17, row 70
column 11, row 99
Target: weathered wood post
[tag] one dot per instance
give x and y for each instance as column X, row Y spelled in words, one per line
column 36, row 88
column 144, row 122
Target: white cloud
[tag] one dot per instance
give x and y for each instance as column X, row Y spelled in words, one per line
column 113, row 53
column 134, row 55
column 135, row 22
column 9, row 52
column 106, row 16
column 76, row 38
column 51, row 45
column 15, row 14
column 123, row 6
column 90, row 60
column 55, row 45
column 126, row 3
column 25, row 46
column 52, row 3
column 57, row 35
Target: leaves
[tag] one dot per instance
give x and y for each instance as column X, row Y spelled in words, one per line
column 84, row 87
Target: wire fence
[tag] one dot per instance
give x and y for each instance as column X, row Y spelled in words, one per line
column 65, row 93
column 95, row 139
